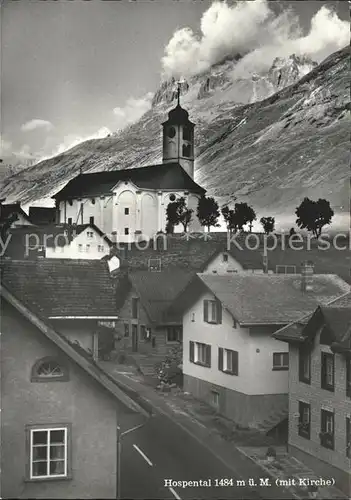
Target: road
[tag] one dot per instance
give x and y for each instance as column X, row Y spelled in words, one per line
column 162, row 450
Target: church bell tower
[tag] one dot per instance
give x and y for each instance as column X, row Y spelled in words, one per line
column 178, row 138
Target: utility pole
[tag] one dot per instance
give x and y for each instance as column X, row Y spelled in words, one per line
column 119, row 454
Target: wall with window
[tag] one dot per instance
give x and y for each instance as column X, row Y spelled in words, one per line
column 79, row 405
column 324, row 403
column 87, row 245
column 223, row 263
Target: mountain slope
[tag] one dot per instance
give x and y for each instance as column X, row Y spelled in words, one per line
column 271, row 153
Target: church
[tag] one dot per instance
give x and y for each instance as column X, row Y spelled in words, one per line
column 131, row 204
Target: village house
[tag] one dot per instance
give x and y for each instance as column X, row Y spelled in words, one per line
column 230, row 358
column 132, row 203
column 143, row 325
column 77, row 297
column 42, row 215
column 58, row 241
column 60, row 412
column 14, row 209
column 320, row 390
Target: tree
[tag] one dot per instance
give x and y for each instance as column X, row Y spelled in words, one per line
column 314, row 215
column 208, row 212
column 268, row 224
column 237, row 218
column 178, row 213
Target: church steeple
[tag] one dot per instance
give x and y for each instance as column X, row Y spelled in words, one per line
column 178, row 137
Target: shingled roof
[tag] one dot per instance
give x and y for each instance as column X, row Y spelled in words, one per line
column 62, row 287
column 157, row 290
column 335, row 315
column 272, row 299
column 161, row 176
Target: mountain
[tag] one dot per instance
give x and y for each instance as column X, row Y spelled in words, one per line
column 269, row 139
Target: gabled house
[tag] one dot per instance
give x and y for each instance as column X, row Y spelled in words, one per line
column 229, row 356
column 60, row 412
column 58, row 241
column 320, row 390
column 77, row 297
column 143, row 324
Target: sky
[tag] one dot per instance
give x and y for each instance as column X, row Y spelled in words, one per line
column 77, row 69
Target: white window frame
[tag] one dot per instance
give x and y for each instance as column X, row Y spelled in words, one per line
column 212, row 311
column 329, row 371
column 281, row 365
column 228, row 355
column 87, row 248
column 48, row 444
column 90, row 234
column 80, row 247
column 200, row 353
column 329, row 423
column 215, row 398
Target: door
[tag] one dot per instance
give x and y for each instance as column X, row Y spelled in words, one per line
column 135, row 338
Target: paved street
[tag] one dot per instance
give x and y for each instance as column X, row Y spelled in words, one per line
column 163, row 450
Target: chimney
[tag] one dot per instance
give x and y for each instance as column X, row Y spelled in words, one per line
column 307, row 276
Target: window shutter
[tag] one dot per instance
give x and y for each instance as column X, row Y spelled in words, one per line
column 206, row 311
column 235, row 363
column 208, row 356
column 219, row 312
column 323, row 369
column 191, row 351
column 220, row 358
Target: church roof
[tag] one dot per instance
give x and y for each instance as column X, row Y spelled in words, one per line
column 178, row 116
column 161, row 176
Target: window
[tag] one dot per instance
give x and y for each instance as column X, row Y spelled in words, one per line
column 228, row 361
column 186, row 150
column 126, row 329
column 187, row 133
column 174, row 333
column 235, row 324
column 215, row 399
column 212, row 311
column 80, row 247
column 126, row 230
column 87, row 248
column 49, row 369
column 304, row 420
column 100, row 248
column 93, row 201
column 48, row 452
column 327, row 429
column 171, row 132
column 126, row 211
column 348, row 378
column 90, row 234
column 70, row 202
column 305, row 365
column 91, row 220
column 280, row 361
column 225, row 257
column 327, row 371
column 69, row 221
column 145, row 333
column 200, row 354
column 348, row 437
column 135, row 304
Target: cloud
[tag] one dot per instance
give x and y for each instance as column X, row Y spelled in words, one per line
column 254, row 31
column 35, row 124
column 133, row 110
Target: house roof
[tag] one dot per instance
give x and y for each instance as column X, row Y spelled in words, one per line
column 88, row 365
column 42, row 215
column 336, row 315
column 162, row 176
column 157, row 290
column 62, row 287
column 271, row 299
column 9, row 208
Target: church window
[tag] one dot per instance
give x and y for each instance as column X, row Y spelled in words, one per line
column 172, row 197
column 91, row 220
column 70, row 202
column 186, row 150
column 126, row 211
column 171, row 132
column 187, row 133
column 93, row 201
column 126, row 230
column 69, row 221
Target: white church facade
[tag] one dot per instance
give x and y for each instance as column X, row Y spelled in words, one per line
column 131, row 204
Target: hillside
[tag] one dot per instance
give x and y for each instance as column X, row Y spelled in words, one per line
column 269, row 152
